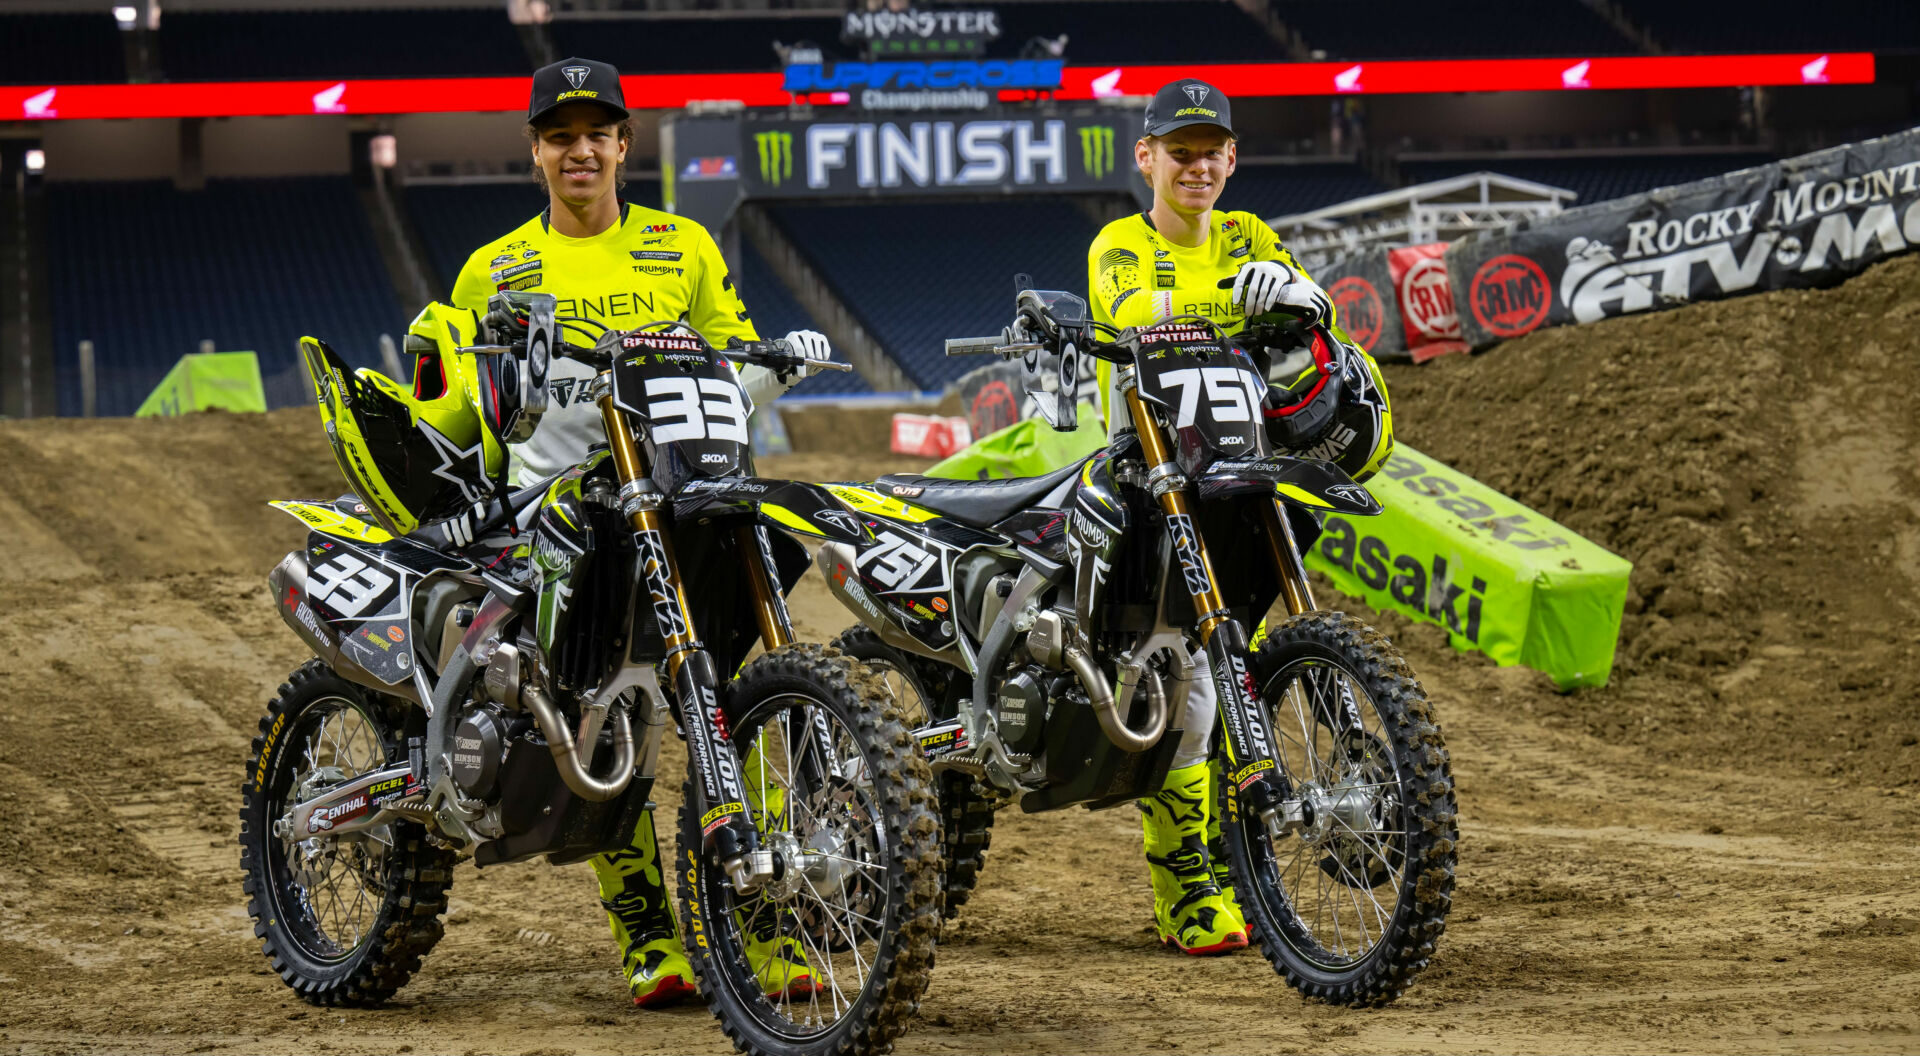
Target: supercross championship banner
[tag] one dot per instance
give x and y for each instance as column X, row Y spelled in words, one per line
column 1806, row 221
column 921, row 154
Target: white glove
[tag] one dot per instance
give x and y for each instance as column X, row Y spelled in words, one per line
column 811, row 345
column 1268, row 284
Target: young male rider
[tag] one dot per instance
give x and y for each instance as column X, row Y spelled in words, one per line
column 624, row 265
column 1169, row 261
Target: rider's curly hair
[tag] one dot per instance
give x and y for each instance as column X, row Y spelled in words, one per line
column 624, row 130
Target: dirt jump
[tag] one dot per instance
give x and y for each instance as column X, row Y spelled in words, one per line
column 1719, row 851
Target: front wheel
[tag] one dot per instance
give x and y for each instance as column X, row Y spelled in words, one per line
column 1350, row 908
column 832, row 955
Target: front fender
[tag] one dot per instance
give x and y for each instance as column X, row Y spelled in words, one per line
column 793, row 506
column 1308, row 483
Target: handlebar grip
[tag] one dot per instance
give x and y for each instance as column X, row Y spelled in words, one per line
column 973, row 346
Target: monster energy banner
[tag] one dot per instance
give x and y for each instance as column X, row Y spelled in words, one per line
column 934, row 153
column 1806, row 221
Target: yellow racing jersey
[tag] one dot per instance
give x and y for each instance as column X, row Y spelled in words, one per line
column 648, row 267
column 1137, row 277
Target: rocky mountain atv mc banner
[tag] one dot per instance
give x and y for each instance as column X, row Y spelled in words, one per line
column 1807, row 221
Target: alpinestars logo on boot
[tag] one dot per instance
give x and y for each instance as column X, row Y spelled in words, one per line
column 577, row 75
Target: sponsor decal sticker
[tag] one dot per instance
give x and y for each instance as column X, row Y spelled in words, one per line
column 1361, row 312
column 1509, row 295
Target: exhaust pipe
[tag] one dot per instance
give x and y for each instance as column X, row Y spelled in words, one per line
column 1048, row 644
column 573, row 759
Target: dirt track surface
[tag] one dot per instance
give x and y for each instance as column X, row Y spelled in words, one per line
column 1719, row 852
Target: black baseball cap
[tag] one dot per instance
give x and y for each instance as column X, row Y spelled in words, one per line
column 1188, row 102
column 575, row 81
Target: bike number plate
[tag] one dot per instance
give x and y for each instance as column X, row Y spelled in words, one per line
column 1211, row 391
column 688, row 401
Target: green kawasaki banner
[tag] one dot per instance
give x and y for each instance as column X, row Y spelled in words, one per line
column 203, row 381
column 1497, row 576
column 1448, row 550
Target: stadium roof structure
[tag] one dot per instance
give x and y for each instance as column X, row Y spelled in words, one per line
column 1439, row 211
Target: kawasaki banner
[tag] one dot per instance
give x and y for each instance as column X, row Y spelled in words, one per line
column 1806, row 221
column 935, row 154
column 1495, row 575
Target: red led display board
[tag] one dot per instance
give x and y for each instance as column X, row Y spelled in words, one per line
column 674, row 90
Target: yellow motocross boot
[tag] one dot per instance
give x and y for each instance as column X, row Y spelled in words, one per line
column 1217, row 849
column 779, row 963
column 1187, row 907
column 633, row 890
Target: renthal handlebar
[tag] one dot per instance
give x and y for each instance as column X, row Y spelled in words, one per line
column 777, row 354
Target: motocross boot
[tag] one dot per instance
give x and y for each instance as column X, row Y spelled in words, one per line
column 779, row 962
column 1187, row 908
column 634, row 892
column 1217, row 848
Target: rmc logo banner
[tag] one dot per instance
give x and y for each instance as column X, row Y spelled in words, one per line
column 1802, row 222
column 931, row 153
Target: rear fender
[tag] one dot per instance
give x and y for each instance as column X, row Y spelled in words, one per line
column 1308, row 483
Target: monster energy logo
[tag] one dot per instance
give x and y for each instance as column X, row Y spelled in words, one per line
column 1096, row 150
column 776, row 156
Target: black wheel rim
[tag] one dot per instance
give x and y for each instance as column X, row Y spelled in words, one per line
column 1341, row 881
column 328, row 891
column 811, row 786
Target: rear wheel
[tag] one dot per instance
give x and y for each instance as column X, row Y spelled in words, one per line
column 832, row 955
column 344, row 920
column 1349, row 909
column 918, row 687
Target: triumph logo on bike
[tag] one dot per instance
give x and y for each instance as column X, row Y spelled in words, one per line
column 1096, row 150
column 776, row 156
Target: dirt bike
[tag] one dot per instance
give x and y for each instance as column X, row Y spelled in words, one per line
column 1050, row 627
column 500, row 689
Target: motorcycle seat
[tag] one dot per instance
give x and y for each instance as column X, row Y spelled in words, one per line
column 981, row 503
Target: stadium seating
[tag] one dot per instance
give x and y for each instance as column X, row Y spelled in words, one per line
column 1422, row 29
column 284, row 45
column 1595, row 179
column 916, row 274
column 776, row 313
column 1282, row 190
column 62, row 49
column 146, row 272
column 1780, row 25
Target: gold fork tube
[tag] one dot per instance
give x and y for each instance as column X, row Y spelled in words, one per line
column 629, row 465
column 1173, row 502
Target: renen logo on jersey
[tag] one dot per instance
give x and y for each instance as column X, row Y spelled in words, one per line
column 985, row 73
column 936, row 153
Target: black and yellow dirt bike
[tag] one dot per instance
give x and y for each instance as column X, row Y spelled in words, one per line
column 1052, row 628
column 501, row 689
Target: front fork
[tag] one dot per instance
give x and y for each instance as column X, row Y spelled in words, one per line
column 1256, row 781
column 726, row 826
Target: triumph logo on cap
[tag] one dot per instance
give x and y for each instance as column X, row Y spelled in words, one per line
column 576, row 75
column 1197, row 93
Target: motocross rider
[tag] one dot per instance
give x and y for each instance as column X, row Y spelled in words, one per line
column 625, row 265
column 1168, row 261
